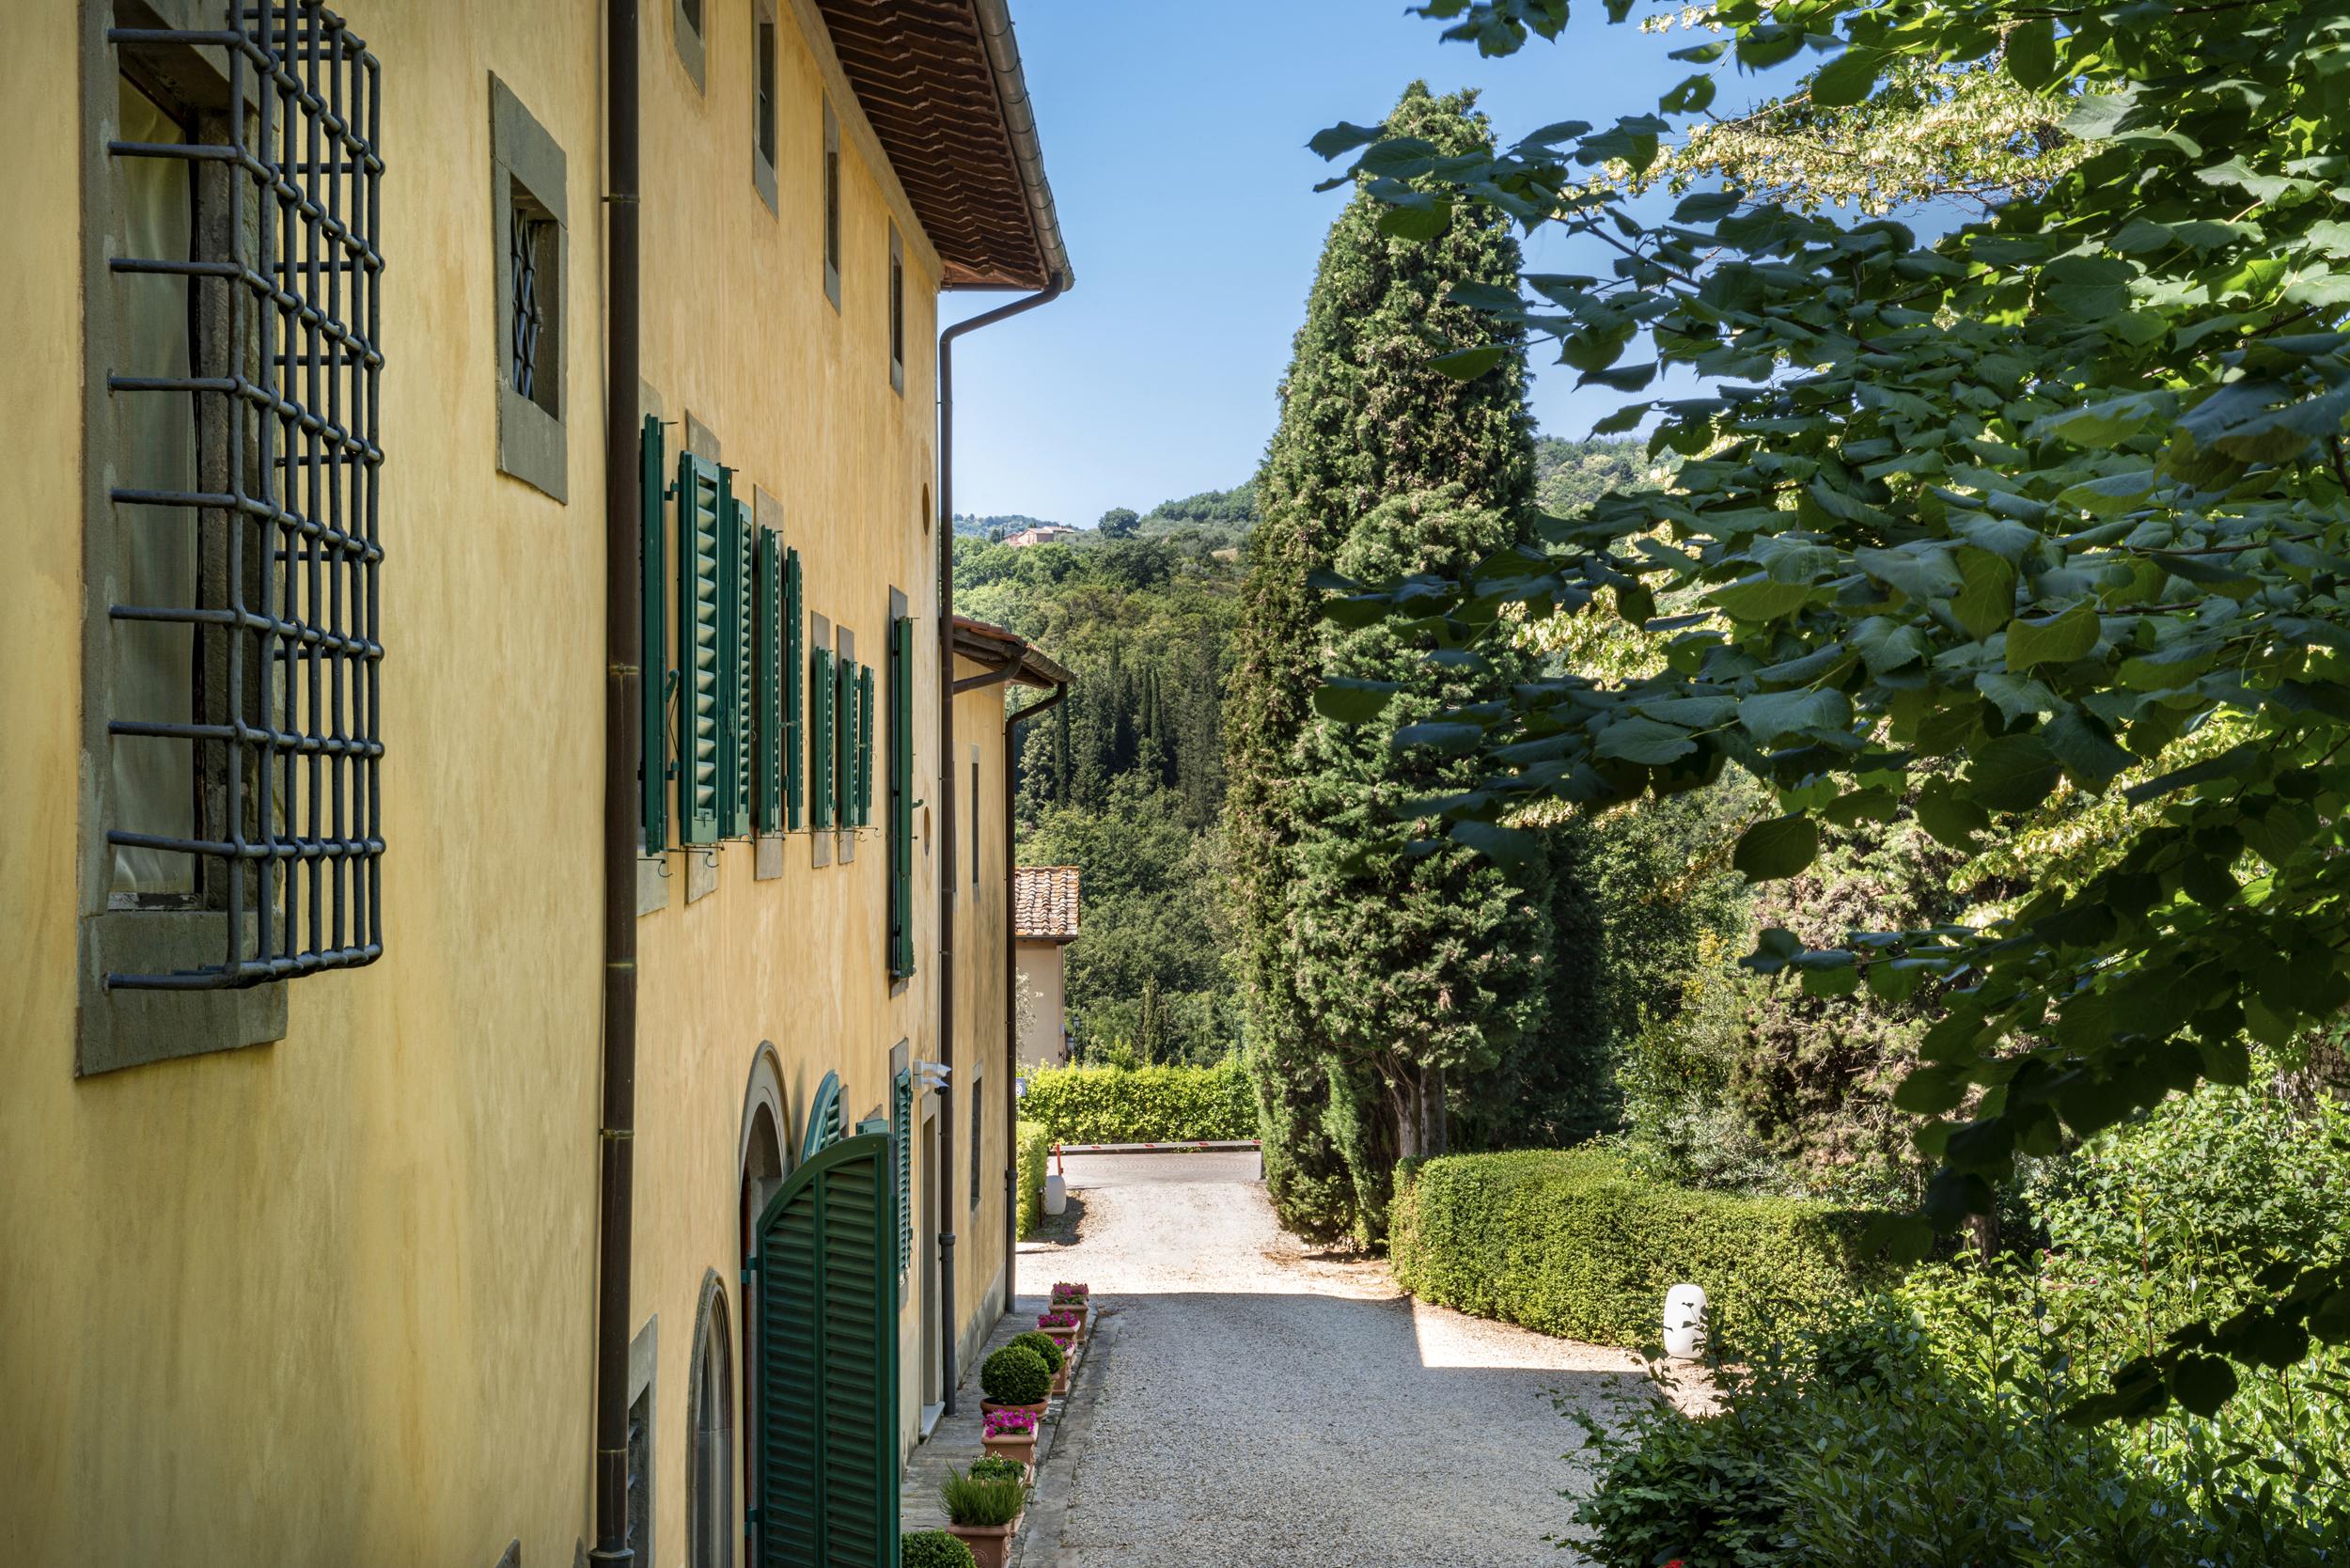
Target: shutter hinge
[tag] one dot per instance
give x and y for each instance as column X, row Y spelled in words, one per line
column 750, row 1518
column 750, row 1266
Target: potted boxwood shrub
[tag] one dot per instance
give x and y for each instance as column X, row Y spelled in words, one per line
column 1009, row 1434
column 1014, row 1378
column 1055, row 1358
column 1064, row 1327
column 934, row 1549
column 983, row 1512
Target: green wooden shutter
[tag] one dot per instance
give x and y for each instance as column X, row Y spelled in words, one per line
column 701, row 495
column 826, row 1362
column 821, row 689
column 844, row 742
column 865, row 746
column 902, row 1108
column 769, row 679
column 794, row 684
column 901, row 797
column 653, row 759
column 738, row 573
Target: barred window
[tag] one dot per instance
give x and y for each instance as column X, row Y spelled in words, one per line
column 233, row 537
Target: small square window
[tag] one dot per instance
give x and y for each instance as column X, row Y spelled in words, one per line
column 832, row 207
column 685, row 31
column 527, row 181
column 764, row 100
column 897, row 311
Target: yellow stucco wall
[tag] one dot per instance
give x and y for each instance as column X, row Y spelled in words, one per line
column 326, row 1300
column 329, row 1300
column 980, row 933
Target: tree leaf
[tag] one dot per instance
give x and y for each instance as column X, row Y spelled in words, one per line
column 1469, row 364
column 1780, row 847
column 1846, row 80
column 2031, row 53
column 1342, row 138
column 1644, row 741
column 2013, row 773
column 1352, row 702
column 2057, row 641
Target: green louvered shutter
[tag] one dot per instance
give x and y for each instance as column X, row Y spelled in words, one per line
column 827, row 1362
column 701, row 496
column 769, row 678
column 901, row 1108
column 865, row 746
column 794, row 684
column 820, row 685
column 653, row 759
column 900, row 740
column 844, row 745
column 738, row 573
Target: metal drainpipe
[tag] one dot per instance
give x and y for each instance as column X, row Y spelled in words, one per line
column 622, row 637
column 945, row 1178
column 1012, row 721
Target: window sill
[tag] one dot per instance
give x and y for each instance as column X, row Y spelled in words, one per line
column 130, row 1029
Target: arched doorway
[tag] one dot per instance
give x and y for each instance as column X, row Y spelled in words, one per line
column 764, row 1137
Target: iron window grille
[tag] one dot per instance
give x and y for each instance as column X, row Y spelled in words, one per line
column 284, row 615
column 529, row 317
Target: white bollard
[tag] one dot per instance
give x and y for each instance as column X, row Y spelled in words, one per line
column 1056, row 1193
column 1685, row 1322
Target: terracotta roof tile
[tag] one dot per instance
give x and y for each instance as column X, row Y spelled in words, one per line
column 1044, row 902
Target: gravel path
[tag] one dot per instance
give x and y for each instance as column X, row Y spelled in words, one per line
column 1257, row 1403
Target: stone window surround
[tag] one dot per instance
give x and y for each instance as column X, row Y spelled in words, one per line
column 532, row 445
column 769, row 64
column 127, row 1028
column 687, row 34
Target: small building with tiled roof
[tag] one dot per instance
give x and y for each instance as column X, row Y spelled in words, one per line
column 1044, row 921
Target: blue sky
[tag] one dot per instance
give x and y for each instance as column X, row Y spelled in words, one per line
column 1174, row 136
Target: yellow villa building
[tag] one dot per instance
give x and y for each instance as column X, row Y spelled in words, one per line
column 506, row 1019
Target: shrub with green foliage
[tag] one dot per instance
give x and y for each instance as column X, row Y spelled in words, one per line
column 936, row 1548
column 973, row 1498
column 1142, row 1104
column 997, row 1467
column 1926, row 1424
column 1045, row 1345
column 1575, row 1244
column 1035, row 1149
column 1015, row 1375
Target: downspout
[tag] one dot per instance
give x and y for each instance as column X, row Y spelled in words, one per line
column 946, row 808
column 623, row 632
column 1011, row 1007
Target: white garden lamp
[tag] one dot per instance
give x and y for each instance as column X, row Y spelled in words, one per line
column 1684, row 1322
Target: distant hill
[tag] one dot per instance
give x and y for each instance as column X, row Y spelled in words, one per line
column 1568, row 476
column 970, row 525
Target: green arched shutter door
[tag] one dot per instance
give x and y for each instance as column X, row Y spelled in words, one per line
column 828, row 1362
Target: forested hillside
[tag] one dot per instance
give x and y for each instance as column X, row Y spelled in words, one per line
column 1126, row 777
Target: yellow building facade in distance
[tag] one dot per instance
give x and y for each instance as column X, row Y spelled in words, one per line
column 494, row 773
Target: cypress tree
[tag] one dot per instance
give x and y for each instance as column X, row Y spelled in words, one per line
column 1373, row 980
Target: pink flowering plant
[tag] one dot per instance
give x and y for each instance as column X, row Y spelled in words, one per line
column 1066, row 1292
column 1008, row 1424
column 1057, row 1320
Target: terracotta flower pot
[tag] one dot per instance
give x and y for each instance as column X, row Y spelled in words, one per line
column 1065, row 1338
column 1013, row 1445
column 1037, row 1409
column 1060, row 1378
column 991, row 1545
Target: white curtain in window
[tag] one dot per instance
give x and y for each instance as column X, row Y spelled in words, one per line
column 153, row 781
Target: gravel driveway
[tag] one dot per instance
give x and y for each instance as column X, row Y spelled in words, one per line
column 1256, row 1403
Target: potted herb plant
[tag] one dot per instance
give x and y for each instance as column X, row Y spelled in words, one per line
column 1015, row 1378
column 984, row 1512
column 934, row 1549
column 1055, row 1358
column 990, row 1466
column 1010, row 1434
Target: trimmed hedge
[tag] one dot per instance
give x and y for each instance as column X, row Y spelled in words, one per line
column 1035, row 1147
column 1569, row 1243
column 1142, row 1104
